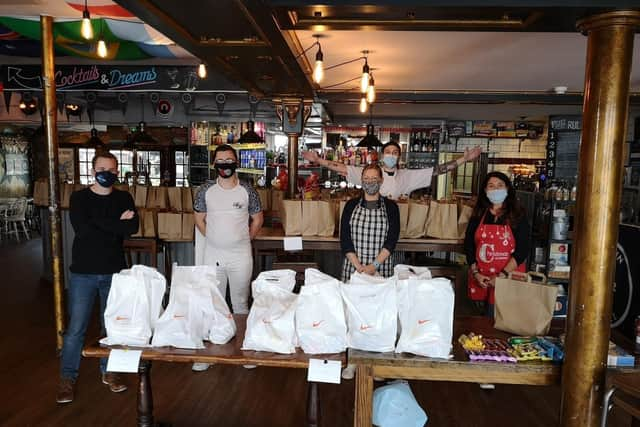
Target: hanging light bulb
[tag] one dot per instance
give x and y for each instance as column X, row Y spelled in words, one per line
column 364, row 82
column 363, row 105
column 318, row 71
column 102, row 49
column 86, row 29
column 202, row 70
column 371, row 91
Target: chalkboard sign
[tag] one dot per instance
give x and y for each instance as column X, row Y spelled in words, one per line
column 565, row 123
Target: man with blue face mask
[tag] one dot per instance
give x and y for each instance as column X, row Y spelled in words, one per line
column 101, row 217
column 397, row 181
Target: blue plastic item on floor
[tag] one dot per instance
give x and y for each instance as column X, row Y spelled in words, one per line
column 394, row 405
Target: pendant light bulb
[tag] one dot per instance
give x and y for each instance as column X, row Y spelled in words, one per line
column 364, row 82
column 202, row 70
column 86, row 29
column 371, row 91
column 363, row 105
column 102, row 49
column 318, row 70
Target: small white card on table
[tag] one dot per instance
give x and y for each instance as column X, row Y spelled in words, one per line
column 324, row 371
column 124, row 360
column 293, row 243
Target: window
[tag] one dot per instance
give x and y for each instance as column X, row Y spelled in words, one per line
column 125, row 162
column 149, row 161
column 85, row 156
column 182, row 168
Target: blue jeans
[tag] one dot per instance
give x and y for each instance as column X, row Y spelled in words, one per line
column 81, row 295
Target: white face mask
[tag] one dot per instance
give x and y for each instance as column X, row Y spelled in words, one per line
column 497, row 196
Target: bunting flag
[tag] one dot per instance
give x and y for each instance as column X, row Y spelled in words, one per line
column 126, row 40
column 102, row 8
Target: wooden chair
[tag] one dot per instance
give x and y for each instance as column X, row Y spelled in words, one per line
column 138, row 246
column 624, row 392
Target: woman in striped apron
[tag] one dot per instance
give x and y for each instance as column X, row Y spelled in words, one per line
column 369, row 229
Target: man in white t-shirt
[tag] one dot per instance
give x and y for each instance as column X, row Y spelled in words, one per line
column 396, row 182
column 229, row 215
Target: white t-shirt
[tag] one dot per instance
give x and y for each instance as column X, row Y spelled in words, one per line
column 403, row 181
column 228, row 212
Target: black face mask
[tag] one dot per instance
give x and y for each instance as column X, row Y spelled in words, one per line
column 106, row 178
column 226, row 170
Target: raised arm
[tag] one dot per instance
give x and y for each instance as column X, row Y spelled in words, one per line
column 469, row 154
column 313, row 157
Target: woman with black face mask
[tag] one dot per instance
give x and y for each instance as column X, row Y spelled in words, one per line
column 369, row 229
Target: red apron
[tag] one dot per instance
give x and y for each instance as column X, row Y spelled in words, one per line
column 494, row 246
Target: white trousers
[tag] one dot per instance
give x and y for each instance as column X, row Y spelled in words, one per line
column 234, row 266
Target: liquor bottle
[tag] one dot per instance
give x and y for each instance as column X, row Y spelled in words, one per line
column 416, row 142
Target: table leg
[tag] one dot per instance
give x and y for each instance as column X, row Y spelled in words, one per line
column 364, row 396
column 313, row 405
column 145, row 398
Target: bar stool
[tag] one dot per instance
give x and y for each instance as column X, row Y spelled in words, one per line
column 623, row 392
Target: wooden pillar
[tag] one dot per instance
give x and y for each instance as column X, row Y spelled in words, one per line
column 293, row 112
column 605, row 110
column 51, row 132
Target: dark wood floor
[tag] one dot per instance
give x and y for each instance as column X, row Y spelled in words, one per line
column 222, row 396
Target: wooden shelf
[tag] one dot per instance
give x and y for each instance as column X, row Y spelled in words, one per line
column 242, row 146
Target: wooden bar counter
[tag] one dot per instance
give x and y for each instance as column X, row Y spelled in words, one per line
column 226, row 354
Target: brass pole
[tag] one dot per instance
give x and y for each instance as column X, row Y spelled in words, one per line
column 605, row 109
column 51, row 129
column 292, row 165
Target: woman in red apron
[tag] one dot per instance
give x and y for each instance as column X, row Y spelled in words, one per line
column 497, row 239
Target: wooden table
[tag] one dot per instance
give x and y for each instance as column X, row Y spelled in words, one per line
column 459, row 368
column 227, row 354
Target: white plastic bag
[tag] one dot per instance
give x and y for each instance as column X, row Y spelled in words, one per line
column 133, row 306
column 372, row 315
column 425, row 308
column 270, row 324
column 219, row 325
column 320, row 321
column 284, row 279
column 182, row 324
column 394, row 405
column 403, row 271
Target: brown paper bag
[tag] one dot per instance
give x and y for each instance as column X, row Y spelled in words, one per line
column 141, row 215
column 187, row 200
column 326, row 218
column 65, row 195
column 141, row 196
column 157, row 198
column 265, row 198
column 41, row 192
column 524, row 307
column 277, row 196
column 417, row 220
column 442, row 222
column 339, row 210
column 175, row 198
column 291, row 214
column 463, row 220
column 169, row 226
column 188, row 226
column 403, row 207
column 150, row 224
column 310, row 218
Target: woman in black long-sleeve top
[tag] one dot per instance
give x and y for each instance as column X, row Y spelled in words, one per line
column 369, row 229
column 497, row 238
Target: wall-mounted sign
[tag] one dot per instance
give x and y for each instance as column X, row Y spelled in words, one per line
column 103, row 78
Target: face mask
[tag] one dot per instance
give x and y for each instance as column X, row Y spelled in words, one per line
column 106, row 178
column 371, row 188
column 226, row 170
column 497, row 196
column 390, row 161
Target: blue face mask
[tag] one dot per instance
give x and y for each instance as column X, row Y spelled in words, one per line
column 497, row 196
column 106, row 178
column 390, row 161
